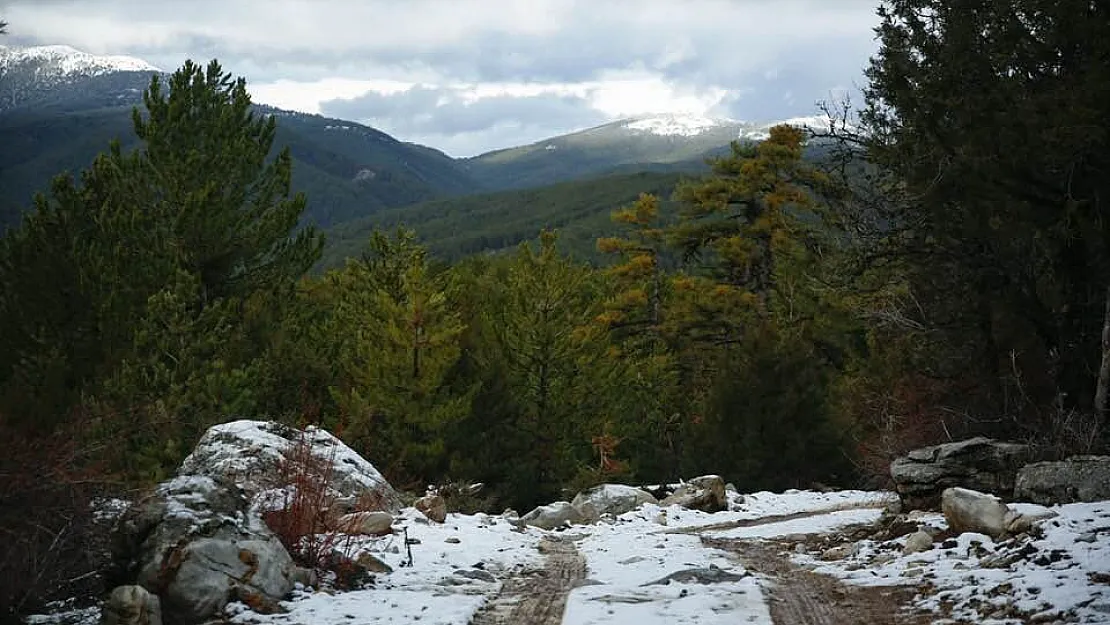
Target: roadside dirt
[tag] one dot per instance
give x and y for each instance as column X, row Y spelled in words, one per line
column 538, row 597
column 801, row 597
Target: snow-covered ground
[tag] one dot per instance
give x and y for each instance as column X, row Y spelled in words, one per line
column 1061, row 576
column 446, row 584
column 624, row 556
column 459, row 566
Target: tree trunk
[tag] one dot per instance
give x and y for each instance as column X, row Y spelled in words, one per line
column 1104, row 369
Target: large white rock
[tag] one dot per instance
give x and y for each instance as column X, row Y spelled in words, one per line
column 198, row 545
column 611, row 499
column 967, row 510
column 553, row 515
column 250, row 454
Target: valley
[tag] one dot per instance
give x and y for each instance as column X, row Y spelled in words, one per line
column 60, row 107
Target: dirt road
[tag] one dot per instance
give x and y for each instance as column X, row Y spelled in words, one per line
column 798, row 596
column 538, row 597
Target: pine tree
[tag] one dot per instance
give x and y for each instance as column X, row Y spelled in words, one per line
column 554, row 366
column 230, row 210
column 402, row 339
column 992, row 116
column 637, row 309
column 197, row 200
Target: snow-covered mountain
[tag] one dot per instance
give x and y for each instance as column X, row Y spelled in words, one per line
column 674, row 124
column 655, row 142
column 38, row 76
column 67, row 61
column 680, row 125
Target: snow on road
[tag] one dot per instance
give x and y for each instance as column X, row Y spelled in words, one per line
column 627, row 561
column 652, row 566
column 624, row 558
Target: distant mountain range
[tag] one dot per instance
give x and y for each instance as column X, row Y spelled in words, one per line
column 658, row 142
column 59, row 107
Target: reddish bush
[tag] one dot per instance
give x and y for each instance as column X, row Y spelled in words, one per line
column 305, row 520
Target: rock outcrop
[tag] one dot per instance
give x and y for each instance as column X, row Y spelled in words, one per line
column 250, row 454
column 980, row 464
column 196, row 544
column 706, row 493
column 1077, row 479
column 613, row 499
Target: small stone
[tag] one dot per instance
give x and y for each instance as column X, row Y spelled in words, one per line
column 477, row 574
column 372, row 564
column 452, row 540
column 837, row 553
column 434, row 507
column 131, row 605
column 917, row 542
column 365, row 523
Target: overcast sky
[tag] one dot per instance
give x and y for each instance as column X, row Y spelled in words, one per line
column 467, row 76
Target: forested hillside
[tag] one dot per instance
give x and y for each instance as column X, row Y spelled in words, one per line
column 346, row 170
column 811, row 321
column 494, row 222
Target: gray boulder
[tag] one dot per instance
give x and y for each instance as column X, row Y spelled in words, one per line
column 614, row 499
column 706, row 493
column 552, row 516
column 980, row 464
column 971, row 511
column 198, row 545
column 251, row 454
column 1077, row 479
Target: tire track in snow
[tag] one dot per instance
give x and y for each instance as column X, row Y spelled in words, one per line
column 538, row 597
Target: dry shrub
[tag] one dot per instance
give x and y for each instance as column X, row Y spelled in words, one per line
column 894, row 422
column 1067, row 432
column 305, row 521
column 54, row 546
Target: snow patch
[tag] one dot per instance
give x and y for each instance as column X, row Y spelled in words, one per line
column 64, row 60
column 815, row 124
column 675, row 125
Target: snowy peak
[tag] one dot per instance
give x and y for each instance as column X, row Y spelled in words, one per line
column 675, row 124
column 815, row 123
column 697, row 126
column 61, row 76
column 64, row 61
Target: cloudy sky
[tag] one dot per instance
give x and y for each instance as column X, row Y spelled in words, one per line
column 466, row 76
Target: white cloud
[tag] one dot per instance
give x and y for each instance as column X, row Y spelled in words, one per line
column 611, row 58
